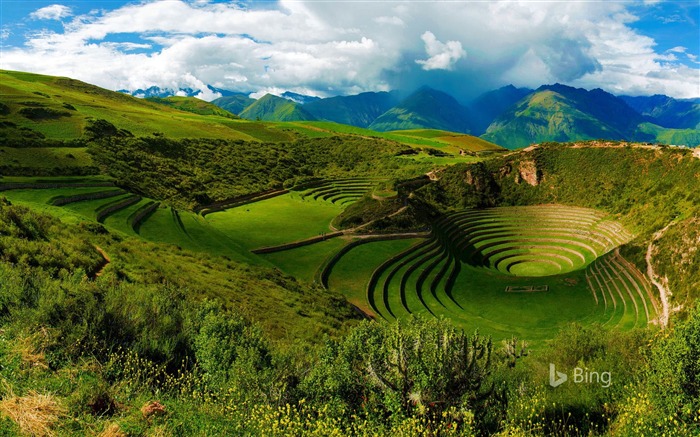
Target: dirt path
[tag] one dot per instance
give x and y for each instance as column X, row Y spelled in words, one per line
column 105, row 261
column 660, row 283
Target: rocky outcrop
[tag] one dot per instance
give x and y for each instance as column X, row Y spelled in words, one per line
column 528, row 172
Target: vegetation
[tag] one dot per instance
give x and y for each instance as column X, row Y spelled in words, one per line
column 273, row 108
column 148, row 353
column 192, row 104
column 135, row 299
column 191, row 173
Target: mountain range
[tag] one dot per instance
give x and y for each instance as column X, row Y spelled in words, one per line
column 509, row 116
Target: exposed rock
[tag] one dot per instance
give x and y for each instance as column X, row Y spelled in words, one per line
column 505, row 170
column 529, row 173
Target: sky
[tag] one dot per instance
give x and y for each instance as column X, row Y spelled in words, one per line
column 327, row 48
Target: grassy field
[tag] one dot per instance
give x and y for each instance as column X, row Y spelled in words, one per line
column 60, row 108
column 275, row 221
column 351, row 274
column 304, row 262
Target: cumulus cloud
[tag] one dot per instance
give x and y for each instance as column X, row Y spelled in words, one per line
column 315, row 48
column 53, row 12
column 442, row 56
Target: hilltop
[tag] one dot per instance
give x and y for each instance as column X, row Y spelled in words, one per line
column 425, row 109
column 273, row 108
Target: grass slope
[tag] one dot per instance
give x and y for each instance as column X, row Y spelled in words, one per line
column 426, row 108
column 194, row 105
column 59, row 108
column 273, row 108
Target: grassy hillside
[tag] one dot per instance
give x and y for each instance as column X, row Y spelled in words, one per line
column 548, row 115
column 359, row 110
column 683, row 137
column 457, row 142
column 60, row 108
column 562, row 113
column 194, row 105
column 425, row 109
column 273, row 108
column 234, row 104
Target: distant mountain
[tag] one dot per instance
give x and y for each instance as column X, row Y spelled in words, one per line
column 194, row 105
column 359, row 110
column 155, row 91
column 235, row 103
column 666, row 111
column 273, row 108
column 426, row 108
column 299, row 98
column 488, row 106
column 562, row 113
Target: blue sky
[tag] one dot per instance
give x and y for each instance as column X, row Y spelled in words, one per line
column 328, row 48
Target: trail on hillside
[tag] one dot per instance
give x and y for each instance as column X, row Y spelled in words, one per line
column 660, row 283
column 103, row 264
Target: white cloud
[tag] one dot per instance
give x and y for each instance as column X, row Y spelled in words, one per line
column 370, row 46
column 53, row 12
column 442, row 56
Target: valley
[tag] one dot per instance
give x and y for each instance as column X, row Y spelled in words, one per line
column 248, row 269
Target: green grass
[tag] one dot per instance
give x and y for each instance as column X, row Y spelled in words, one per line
column 138, row 116
column 425, row 158
column 196, row 235
column 275, row 221
column 44, row 196
column 304, row 262
column 351, row 274
column 438, row 139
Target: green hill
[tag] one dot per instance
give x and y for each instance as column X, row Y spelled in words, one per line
column 359, row 110
column 561, row 113
column 34, row 106
column 488, row 106
column 273, row 108
column 194, row 105
column 425, row 109
column 234, row 104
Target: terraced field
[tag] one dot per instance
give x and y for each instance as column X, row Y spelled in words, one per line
column 78, row 198
column 523, row 271
column 341, row 192
column 514, row 271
